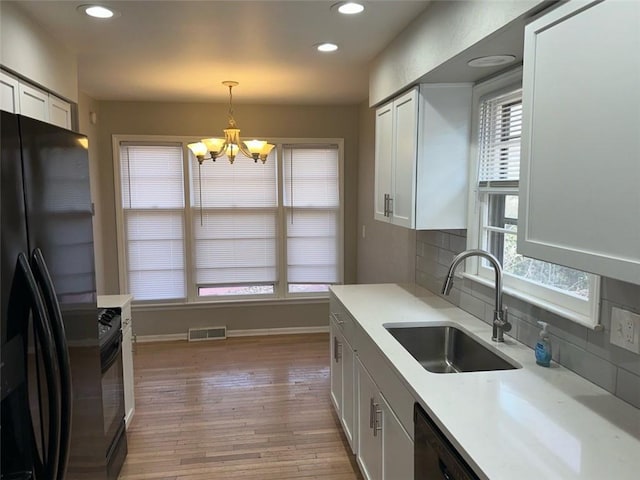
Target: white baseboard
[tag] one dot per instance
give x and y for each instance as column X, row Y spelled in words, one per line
column 171, row 337
column 237, row 333
column 276, row 331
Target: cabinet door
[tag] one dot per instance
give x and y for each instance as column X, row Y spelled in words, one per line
column 34, row 103
column 9, row 99
column 405, row 147
column 397, row 446
column 348, row 394
column 369, row 445
column 580, row 168
column 444, row 134
column 383, row 160
column 336, row 367
column 59, row 112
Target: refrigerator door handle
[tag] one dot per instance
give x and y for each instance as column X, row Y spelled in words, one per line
column 43, row 278
column 47, row 352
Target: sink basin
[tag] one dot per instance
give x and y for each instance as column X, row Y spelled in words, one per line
column 448, row 349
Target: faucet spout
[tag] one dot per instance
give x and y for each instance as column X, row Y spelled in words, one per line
column 500, row 323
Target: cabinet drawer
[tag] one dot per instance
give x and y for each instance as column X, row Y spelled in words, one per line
column 396, row 394
column 342, row 318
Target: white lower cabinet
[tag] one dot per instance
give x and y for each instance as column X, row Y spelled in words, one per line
column 374, row 407
column 385, row 450
column 343, row 382
column 127, row 364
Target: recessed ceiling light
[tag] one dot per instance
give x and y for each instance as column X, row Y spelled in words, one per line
column 491, row 61
column 97, row 11
column 327, row 47
column 349, row 8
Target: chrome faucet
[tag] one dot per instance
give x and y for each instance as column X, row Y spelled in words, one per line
column 500, row 323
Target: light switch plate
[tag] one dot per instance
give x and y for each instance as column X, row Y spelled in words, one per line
column 625, row 329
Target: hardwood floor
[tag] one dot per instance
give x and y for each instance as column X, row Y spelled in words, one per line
column 242, row 408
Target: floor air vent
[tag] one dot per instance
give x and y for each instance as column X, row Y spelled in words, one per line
column 211, row 333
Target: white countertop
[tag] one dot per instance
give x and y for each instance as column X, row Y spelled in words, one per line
column 530, row 423
column 106, row 301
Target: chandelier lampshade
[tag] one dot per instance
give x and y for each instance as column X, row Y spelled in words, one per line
column 231, row 144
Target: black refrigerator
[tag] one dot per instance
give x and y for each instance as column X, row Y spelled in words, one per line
column 52, row 427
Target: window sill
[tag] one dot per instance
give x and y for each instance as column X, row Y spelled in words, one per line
column 584, row 320
column 244, row 302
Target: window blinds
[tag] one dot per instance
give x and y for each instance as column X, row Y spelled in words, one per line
column 499, row 139
column 312, row 206
column 153, row 204
column 237, row 240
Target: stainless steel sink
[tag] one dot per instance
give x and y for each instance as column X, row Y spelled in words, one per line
column 448, row 349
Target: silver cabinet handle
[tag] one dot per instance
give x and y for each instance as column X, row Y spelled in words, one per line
column 336, row 317
column 386, row 204
column 377, row 420
column 337, row 349
column 371, row 410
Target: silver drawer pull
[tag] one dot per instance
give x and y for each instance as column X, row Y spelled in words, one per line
column 371, row 410
column 336, row 317
column 377, row 420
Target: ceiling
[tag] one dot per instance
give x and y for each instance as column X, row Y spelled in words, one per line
column 183, row 50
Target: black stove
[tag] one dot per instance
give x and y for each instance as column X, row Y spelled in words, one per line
column 108, row 325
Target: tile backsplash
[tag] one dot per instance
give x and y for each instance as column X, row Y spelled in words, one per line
column 585, row 351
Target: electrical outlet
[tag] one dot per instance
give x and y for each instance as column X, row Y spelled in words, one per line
column 625, row 329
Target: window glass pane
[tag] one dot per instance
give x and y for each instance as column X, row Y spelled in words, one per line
column 235, row 246
column 311, row 176
column 499, row 138
column 243, row 184
column 151, row 176
column 557, row 277
column 236, row 290
column 503, row 211
column 308, row 288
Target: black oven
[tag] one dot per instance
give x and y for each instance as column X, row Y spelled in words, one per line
column 109, row 323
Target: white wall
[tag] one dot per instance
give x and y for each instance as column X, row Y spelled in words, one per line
column 442, row 31
column 26, row 49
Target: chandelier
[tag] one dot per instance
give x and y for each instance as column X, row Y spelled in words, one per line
column 231, row 144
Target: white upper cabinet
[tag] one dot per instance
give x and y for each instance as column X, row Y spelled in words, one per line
column 443, row 156
column 59, row 112
column 396, row 153
column 9, row 99
column 25, row 99
column 422, row 145
column 580, row 166
column 33, row 102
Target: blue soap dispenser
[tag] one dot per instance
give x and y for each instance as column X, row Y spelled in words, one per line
column 543, row 347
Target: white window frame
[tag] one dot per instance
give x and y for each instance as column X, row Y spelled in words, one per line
column 281, row 291
column 583, row 312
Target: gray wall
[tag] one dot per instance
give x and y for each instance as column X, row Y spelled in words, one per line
column 30, row 51
column 201, row 120
column 386, row 253
column 442, row 31
column 586, row 352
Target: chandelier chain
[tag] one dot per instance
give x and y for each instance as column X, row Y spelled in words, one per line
column 231, row 119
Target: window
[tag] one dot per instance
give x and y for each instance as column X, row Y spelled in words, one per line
column 225, row 231
column 312, row 212
column 494, row 223
column 153, row 220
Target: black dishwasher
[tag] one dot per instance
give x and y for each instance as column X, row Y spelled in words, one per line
column 434, row 456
